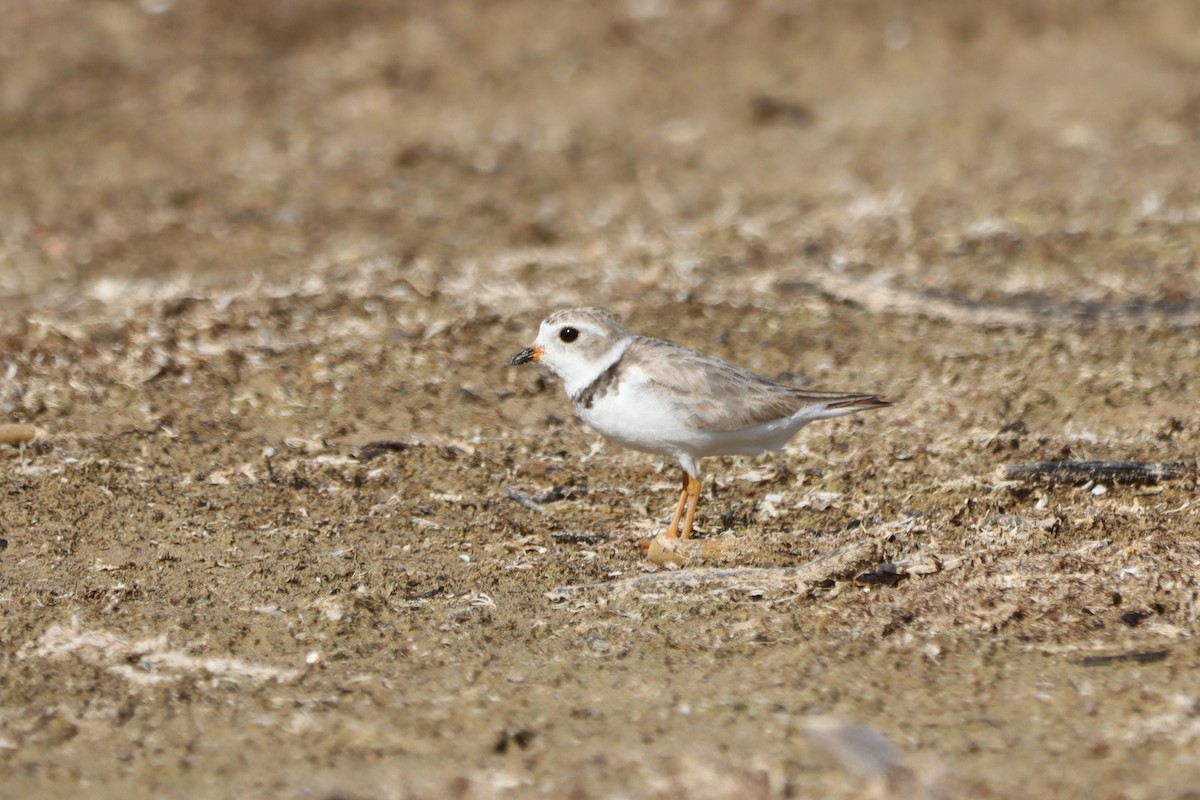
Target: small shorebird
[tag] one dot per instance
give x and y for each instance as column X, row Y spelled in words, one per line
column 658, row 397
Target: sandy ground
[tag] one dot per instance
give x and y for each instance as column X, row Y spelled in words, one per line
column 240, row 242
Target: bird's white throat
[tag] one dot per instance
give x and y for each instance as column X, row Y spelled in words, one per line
column 578, row 372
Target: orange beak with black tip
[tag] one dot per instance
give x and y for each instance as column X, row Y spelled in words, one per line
column 527, row 355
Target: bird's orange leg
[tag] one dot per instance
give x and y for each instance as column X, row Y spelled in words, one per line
column 692, row 491
column 673, row 530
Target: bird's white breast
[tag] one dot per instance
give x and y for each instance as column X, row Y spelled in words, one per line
column 634, row 414
column 641, row 415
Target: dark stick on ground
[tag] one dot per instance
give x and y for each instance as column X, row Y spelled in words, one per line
column 375, row 449
column 1080, row 472
column 1149, row 657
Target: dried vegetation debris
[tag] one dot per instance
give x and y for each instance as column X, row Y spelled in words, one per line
column 148, row 661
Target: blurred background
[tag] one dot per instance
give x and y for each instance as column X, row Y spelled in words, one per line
column 540, row 154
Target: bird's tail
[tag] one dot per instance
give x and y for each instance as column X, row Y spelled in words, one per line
column 824, row 405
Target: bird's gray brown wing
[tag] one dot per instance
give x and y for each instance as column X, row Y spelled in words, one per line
column 715, row 395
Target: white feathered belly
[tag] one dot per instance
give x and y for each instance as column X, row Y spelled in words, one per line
column 634, row 417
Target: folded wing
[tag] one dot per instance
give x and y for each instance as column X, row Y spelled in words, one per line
column 715, row 395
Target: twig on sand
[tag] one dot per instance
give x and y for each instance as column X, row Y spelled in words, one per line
column 527, row 500
column 1081, row 472
column 836, row 564
column 534, row 502
column 1147, row 657
column 372, row 450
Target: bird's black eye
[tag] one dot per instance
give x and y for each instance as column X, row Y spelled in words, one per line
column 568, row 334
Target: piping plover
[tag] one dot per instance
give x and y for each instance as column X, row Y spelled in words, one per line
column 658, row 397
